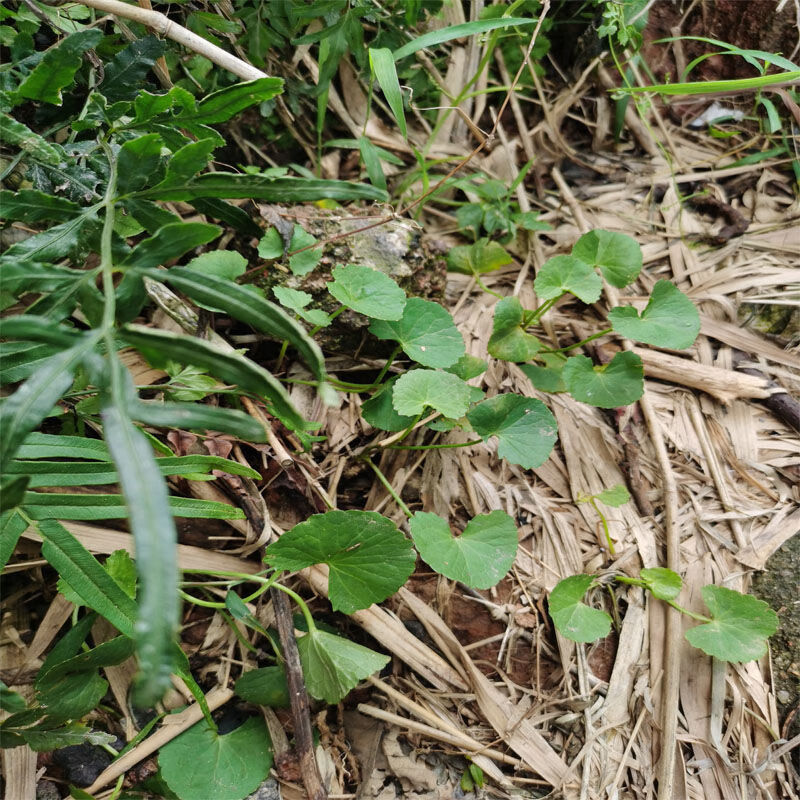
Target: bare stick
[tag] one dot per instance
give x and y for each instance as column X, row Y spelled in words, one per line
column 164, row 26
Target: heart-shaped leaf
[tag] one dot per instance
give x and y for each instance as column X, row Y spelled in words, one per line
column 669, row 319
column 740, row 625
column 618, row 383
column 264, row 687
column 351, row 543
column 420, row 389
column 332, row 666
column 509, row 340
column 379, row 411
column 525, row 429
column 480, row 557
column 426, row 332
column 568, row 274
column 662, row 582
column 573, row 618
column 618, row 256
column 201, row 763
column 368, row 291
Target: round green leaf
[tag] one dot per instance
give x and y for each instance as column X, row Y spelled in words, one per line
column 574, row 619
column 568, row 274
column 618, row 256
column 669, row 319
column 618, row 383
column 509, row 340
column 478, row 258
column 351, row 543
column 468, row 367
column 368, row 291
column 379, row 411
column 201, row 763
column 303, row 263
column 426, row 332
column 264, row 687
column 480, row 557
column 296, row 301
column 662, row 582
column 332, row 666
column 545, row 379
column 428, row 388
column 525, row 429
column 740, row 625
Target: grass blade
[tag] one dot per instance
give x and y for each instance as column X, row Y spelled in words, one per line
column 382, row 63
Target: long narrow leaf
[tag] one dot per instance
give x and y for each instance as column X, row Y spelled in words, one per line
column 382, row 62
column 228, row 185
column 156, row 540
column 251, row 309
column 199, row 417
column 714, row 87
column 160, row 346
column 93, row 507
column 12, row 526
column 38, row 329
column 456, row 32
column 98, row 473
column 31, row 403
column 84, row 573
column 48, row 445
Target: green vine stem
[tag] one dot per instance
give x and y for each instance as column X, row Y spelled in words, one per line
column 389, row 488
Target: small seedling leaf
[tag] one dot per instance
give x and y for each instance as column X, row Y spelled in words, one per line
column 573, row 618
column 740, row 625
column 368, row 291
column 468, row 367
column 669, row 319
column 426, row 332
column 421, row 389
column 615, row 496
column 332, row 666
column 271, row 245
column 303, row 263
column 568, row 274
column 201, row 763
column 296, row 301
column 525, row 429
column 618, row 256
column 351, row 543
column 663, row 583
column 618, row 383
column 509, row 341
column 479, row 557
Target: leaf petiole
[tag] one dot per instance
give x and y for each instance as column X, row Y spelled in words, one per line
column 579, row 344
column 389, row 488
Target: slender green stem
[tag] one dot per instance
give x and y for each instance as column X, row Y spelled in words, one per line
column 433, row 446
column 579, row 344
column 692, row 614
column 486, row 289
column 331, row 317
column 605, row 526
column 301, row 603
column 531, row 317
column 387, row 366
column 389, row 488
column 106, row 251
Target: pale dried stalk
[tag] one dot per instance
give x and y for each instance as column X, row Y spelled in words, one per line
column 164, row 26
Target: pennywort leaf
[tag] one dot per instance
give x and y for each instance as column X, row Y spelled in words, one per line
column 739, row 628
column 663, row 583
column 618, row 256
column 479, row 557
column 615, row 496
column 525, row 428
column 509, row 340
column 568, row 274
column 367, row 291
column 422, row 389
column 573, row 618
column 618, row 383
column 350, row 543
column 670, row 319
column 426, row 332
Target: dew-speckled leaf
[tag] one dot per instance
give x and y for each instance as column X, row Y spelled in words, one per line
column 526, row 431
column 618, row 383
column 480, row 557
column 367, row 291
column 351, row 543
column 670, row 319
column 426, row 332
column 568, row 274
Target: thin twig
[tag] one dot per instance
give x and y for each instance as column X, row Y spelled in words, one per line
column 164, row 26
